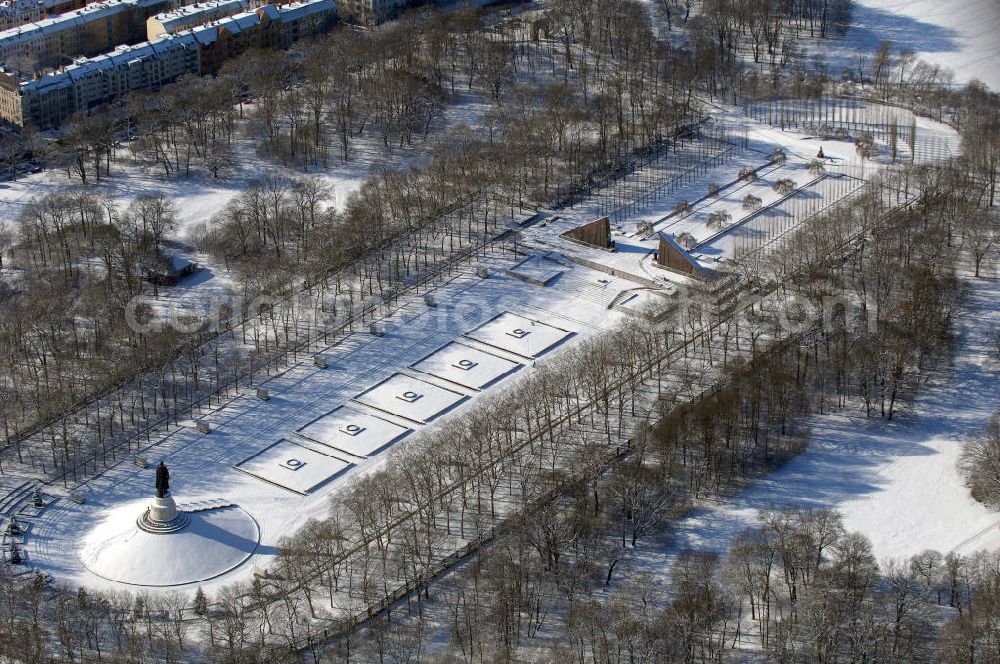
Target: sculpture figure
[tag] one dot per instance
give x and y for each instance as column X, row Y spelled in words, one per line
column 162, row 481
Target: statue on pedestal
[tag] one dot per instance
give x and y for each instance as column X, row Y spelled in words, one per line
column 162, row 481
column 162, row 515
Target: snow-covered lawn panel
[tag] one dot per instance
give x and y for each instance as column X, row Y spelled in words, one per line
column 519, row 335
column 466, row 366
column 349, row 430
column 293, row 467
column 410, row 398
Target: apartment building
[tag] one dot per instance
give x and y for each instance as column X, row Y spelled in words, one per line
column 53, row 7
column 190, row 16
column 300, row 20
column 47, row 100
column 270, row 26
column 221, row 40
column 93, row 29
column 373, row 11
column 14, row 13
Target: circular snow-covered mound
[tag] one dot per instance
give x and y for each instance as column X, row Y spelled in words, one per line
column 214, row 542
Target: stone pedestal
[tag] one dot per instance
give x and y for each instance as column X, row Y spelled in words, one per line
column 162, row 516
column 162, row 509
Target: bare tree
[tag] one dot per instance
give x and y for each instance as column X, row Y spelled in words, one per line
column 751, row 203
column 784, row 186
column 980, row 234
column 6, row 238
column 980, row 464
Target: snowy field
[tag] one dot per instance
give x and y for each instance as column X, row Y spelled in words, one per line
column 894, row 482
column 960, row 35
column 199, row 198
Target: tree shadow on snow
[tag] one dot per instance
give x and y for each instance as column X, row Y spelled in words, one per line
column 871, row 26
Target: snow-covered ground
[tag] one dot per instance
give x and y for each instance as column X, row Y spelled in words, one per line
column 960, row 35
column 963, row 35
column 895, row 482
column 199, row 199
column 201, row 294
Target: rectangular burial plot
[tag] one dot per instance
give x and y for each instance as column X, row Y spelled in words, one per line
column 354, row 432
column 519, row 335
column 292, row 467
column 465, row 366
column 410, row 398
